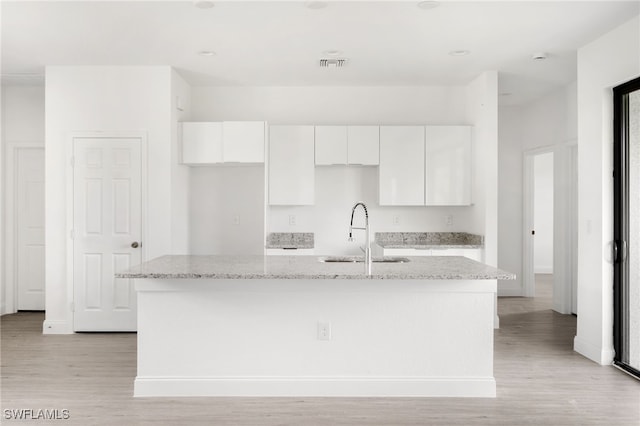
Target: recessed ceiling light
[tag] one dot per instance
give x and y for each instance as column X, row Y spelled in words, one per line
column 332, row 53
column 459, row 53
column 539, row 56
column 428, row 4
column 316, row 4
column 203, row 4
column 207, row 53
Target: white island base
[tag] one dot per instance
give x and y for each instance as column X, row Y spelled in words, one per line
column 260, row 337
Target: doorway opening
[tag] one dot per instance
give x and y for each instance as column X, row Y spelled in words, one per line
column 550, row 231
column 542, row 232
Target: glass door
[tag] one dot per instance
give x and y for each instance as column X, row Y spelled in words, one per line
column 627, row 226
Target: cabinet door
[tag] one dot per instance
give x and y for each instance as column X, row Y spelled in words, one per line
column 243, row 141
column 448, row 165
column 291, row 165
column 401, row 173
column 331, row 145
column 201, row 143
column 363, row 145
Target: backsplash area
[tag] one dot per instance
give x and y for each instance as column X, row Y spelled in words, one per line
column 435, row 239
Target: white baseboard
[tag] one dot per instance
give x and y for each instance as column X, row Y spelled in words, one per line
column 482, row 387
column 56, row 327
column 603, row 356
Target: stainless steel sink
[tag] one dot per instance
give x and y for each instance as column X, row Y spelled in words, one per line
column 357, row 259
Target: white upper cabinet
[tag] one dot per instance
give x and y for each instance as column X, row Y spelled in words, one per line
column 330, row 145
column 223, row 142
column 448, row 165
column 291, row 165
column 201, row 143
column 401, row 173
column 363, row 145
column 243, row 141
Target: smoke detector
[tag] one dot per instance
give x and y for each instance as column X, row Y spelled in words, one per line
column 332, row 63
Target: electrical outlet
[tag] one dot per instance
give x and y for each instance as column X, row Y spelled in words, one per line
column 236, row 219
column 448, row 220
column 292, row 220
column 324, row 330
column 396, row 220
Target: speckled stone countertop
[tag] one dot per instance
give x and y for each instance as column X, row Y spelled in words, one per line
column 428, row 240
column 290, row 240
column 309, row 267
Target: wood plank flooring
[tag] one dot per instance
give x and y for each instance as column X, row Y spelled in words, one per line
column 541, row 381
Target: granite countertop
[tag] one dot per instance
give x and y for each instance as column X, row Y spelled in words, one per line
column 290, row 240
column 309, row 267
column 428, row 240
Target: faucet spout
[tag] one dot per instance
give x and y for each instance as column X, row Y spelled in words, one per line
column 367, row 249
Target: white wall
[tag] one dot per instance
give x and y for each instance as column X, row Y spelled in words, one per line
column 548, row 124
column 226, row 210
column 22, row 122
column 543, row 213
column 329, row 217
column 482, row 111
column 606, row 62
column 105, row 99
column 180, row 183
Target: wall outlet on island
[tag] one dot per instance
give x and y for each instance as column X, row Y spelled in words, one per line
column 292, row 219
column 324, row 330
column 448, row 219
column 396, row 220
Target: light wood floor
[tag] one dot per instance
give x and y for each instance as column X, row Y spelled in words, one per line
column 541, row 381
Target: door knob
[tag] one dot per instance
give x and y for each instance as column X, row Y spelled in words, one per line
column 135, row 244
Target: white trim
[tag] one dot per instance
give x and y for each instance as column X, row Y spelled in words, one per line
column 11, row 232
column 133, row 134
column 528, row 278
column 484, row 387
column 56, row 327
column 599, row 354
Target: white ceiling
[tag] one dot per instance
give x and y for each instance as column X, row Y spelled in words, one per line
column 388, row 43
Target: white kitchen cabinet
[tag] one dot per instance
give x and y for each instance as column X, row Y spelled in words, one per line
column 330, row 145
column 401, row 173
column 206, row 143
column 291, row 165
column 363, row 145
column 201, row 143
column 448, row 165
column 243, row 141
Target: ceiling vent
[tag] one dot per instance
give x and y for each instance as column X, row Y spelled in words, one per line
column 332, row 63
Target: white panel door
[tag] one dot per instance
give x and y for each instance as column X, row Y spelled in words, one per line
column 107, row 231
column 401, row 173
column 30, row 229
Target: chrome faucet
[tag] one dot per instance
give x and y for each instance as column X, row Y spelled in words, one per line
column 367, row 247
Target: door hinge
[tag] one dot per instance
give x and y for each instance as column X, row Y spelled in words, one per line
column 72, row 306
column 72, row 234
column 72, row 162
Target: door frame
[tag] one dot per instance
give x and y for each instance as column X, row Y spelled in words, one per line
column 620, row 221
column 563, row 209
column 72, row 136
column 11, row 223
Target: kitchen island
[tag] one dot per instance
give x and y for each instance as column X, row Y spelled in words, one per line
column 296, row 326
